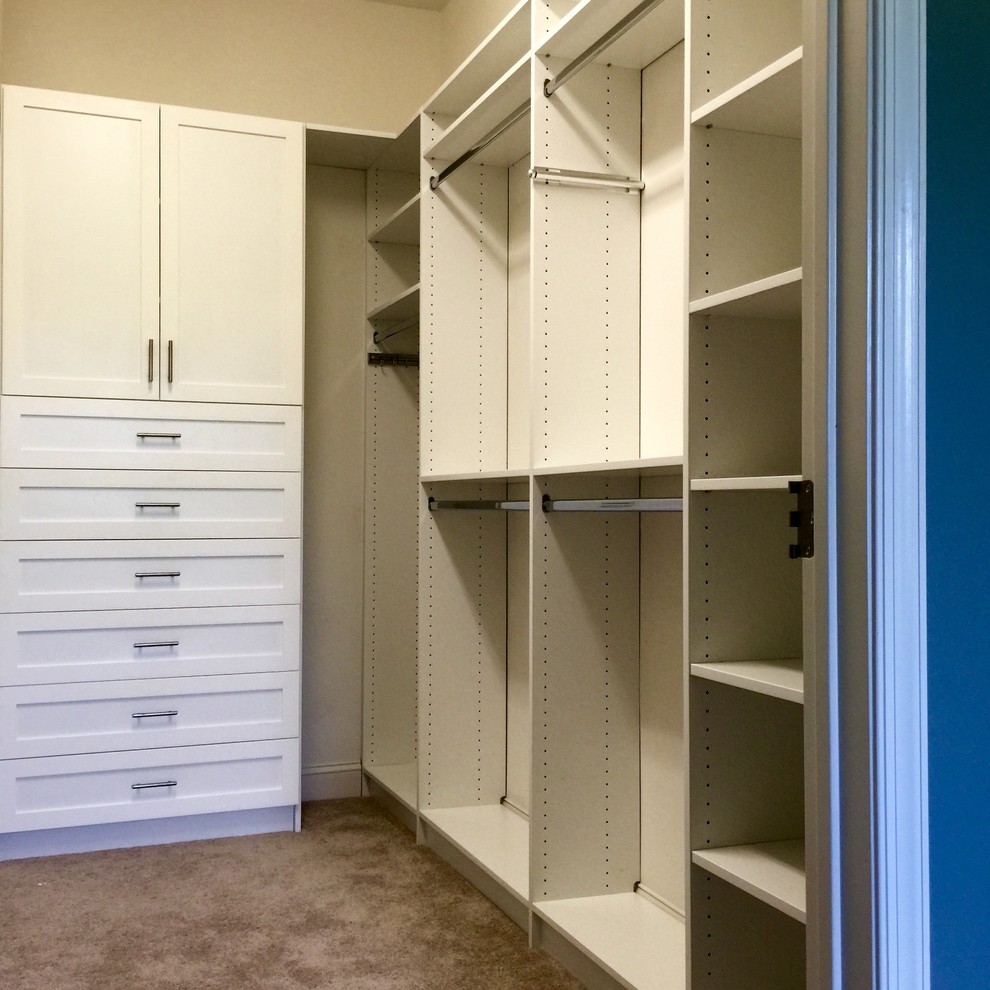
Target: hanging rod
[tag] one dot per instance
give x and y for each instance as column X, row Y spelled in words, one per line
column 393, row 360
column 495, row 133
column 591, row 180
column 550, row 86
column 380, row 335
column 613, row 504
column 479, row 504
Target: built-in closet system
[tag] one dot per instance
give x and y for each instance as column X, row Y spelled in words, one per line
column 614, row 738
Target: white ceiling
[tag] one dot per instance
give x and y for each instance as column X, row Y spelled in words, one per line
column 421, row 4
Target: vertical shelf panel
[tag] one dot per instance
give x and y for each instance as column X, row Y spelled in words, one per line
column 519, row 442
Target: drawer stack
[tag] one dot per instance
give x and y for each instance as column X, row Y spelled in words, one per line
column 149, row 610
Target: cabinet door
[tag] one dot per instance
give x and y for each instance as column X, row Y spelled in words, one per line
column 232, row 257
column 80, row 245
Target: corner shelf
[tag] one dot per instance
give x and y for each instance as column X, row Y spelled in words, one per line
column 777, row 297
column 402, row 227
column 399, row 780
column 782, row 679
column 773, row 872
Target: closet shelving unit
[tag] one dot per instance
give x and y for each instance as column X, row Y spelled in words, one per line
column 392, row 475
column 745, row 613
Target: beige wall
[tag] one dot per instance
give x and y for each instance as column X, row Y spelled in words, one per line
column 466, row 23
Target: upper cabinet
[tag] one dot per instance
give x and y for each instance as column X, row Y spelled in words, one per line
column 150, row 252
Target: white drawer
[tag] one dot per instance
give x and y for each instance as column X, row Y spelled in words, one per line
column 58, row 647
column 63, row 719
column 91, row 505
column 107, row 433
column 66, row 575
column 60, row 791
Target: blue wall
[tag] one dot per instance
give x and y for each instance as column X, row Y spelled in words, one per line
column 958, row 370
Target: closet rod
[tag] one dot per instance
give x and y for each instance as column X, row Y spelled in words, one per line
column 495, row 133
column 591, row 180
column 613, row 504
column 393, row 360
column 479, row 504
column 380, row 336
column 550, row 86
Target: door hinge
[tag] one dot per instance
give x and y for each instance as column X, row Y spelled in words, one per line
column 803, row 519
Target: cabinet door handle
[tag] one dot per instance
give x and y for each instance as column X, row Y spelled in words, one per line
column 169, row 714
column 165, row 643
column 157, row 574
column 159, row 436
column 157, row 783
column 157, row 505
column 170, row 362
column 151, row 360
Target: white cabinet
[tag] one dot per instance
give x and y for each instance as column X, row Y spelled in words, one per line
column 84, row 233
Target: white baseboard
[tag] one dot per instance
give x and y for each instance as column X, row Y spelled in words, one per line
column 338, row 780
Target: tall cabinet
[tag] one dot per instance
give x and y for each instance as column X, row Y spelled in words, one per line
column 150, row 465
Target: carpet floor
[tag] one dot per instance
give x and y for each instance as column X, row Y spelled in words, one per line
column 350, row 903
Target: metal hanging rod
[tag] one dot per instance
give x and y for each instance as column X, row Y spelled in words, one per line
column 437, row 505
column 591, row 180
column 613, row 504
column 382, row 335
column 550, row 86
column 393, row 360
column 495, row 133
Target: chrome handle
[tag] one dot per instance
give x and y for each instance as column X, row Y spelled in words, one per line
column 170, row 362
column 158, row 574
column 162, row 645
column 170, row 714
column 157, row 783
column 151, row 360
column 157, row 505
column 159, row 436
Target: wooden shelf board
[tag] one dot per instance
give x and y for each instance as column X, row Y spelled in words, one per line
column 399, row 780
column 638, row 47
column 782, row 679
column 520, row 474
column 777, row 297
column 402, row 227
column 507, row 43
column 764, row 483
column 404, row 306
column 342, row 147
column 493, row 837
column 647, row 467
column 768, row 102
column 507, row 95
column 773, row 872
column 636, row 942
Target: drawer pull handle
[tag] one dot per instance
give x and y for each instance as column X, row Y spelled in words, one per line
column 156, row 505
column 170, row 362
column 158, row 574
column 153, row 784
column 162, row 645
column 151, row 360
column 159, row 436
column 169, row 714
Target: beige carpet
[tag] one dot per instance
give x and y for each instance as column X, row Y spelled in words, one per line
column 350, row 903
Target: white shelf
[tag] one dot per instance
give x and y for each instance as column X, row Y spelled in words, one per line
column 773, row 872
column 506, row 96
column 764, row 483
column 777, row 297
column 768, row 102
column 782, row 679
column 638, row 47
column 632, row 939
column 405, row 306
column 501, row 49
column 507, row 475
column 343, row 147
column 646, row 467
column 399, row 780
column 493, row 837
column 402, row 227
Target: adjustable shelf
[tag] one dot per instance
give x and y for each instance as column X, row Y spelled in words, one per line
column 776, row 297
column 402, row 227
column 773, row 872
column 635, row 941
column 766, row 483
column 399, row 309
column 398, row 780
column 646, row 467
column 479, row 476
column 782, row 679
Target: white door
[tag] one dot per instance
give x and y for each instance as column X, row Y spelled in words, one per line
column 80, row 245
column 232, row 257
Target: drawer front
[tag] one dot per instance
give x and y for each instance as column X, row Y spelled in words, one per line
column 95, row 789
column 81, row 574
column 93, row 505
column 62, row 719
column 100, row 433
column 59, row 647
